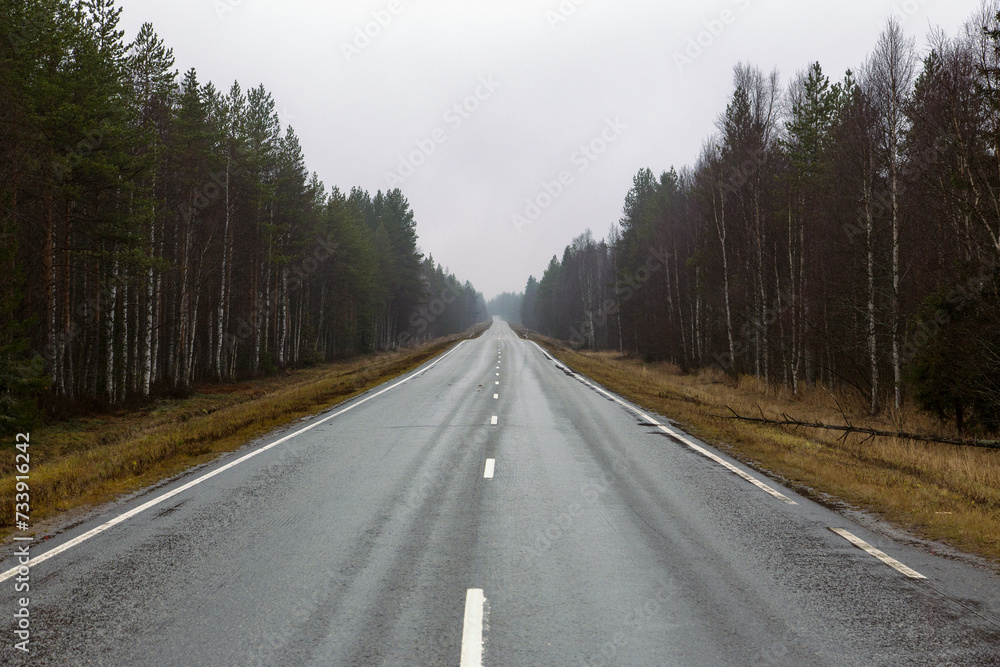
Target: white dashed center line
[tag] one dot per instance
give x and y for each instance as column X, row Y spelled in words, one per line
column 472, row 629
column 490, row 466
column 494, row 421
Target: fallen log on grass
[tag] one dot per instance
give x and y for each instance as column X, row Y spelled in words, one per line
column 849, row 429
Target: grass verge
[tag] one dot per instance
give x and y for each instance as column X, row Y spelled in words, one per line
column 84, row 462
column 938, row 492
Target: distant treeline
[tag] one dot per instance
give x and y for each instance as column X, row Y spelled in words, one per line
column 159, row 232
column 506, row 306
column 840, row 233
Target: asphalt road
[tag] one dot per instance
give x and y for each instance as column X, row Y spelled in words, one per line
column 377, row 537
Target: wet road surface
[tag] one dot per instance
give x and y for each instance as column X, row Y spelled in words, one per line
column 492, row 506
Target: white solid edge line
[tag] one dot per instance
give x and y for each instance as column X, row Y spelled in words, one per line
column 881, row 555
column 472, row 629
column 170, row 494
column 683, row 438
column 494, row 420
column 490, row 468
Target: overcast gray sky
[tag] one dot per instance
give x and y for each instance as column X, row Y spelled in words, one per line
column 639, row 82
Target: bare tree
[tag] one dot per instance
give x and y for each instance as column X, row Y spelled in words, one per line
column 711, row 166
column 887, row 78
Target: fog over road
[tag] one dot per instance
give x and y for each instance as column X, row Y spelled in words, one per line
column 494, row 506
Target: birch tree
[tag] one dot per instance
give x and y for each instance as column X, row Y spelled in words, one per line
column 888, row 78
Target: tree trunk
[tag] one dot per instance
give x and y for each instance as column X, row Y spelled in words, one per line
column 49, row 271
column 283, row 343
column 110, row 323
column 223, row 302
column 897, row 371
column 147, row 360
column 872, row 342
column 65, row 340
column 793, row 306
column 719, row 209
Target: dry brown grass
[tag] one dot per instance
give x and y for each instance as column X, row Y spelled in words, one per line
column 89, row 461
column 939, row 492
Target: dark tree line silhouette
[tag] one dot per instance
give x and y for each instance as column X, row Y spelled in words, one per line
column 159, row 232
column 840, row 233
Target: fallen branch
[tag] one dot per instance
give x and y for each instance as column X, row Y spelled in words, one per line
column 849, row 428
